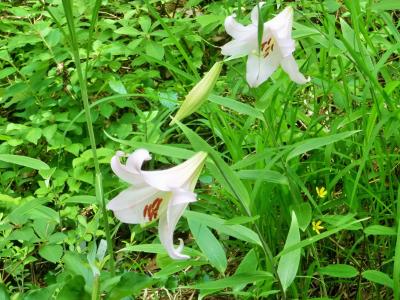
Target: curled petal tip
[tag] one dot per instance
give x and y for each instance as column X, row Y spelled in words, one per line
column 120, row 153
column 181, row 245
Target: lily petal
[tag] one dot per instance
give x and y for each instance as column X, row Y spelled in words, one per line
column 259, row 69
column 166, row 229
column 254, row 13
column 129, row 205
column 126, row 173
column 235, row 29
column 241, row 47
column 136, row 159
column 281, row 24
column 183, row 175
column 290, row 66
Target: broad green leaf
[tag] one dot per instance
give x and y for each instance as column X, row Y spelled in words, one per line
column 74, row 288
column 24, row 161
column 23, row 234
column 248, row 265
column 319, row 142
column 78, row 265
column 289, row 263
column 378, row 277
column 237, row 231
column 154, row 49
column 33, row 135
column 339, row 270
column 4, row 292
column 304, row 214
column 130, row 284
column 21, row 213
column 379, row 230
column 235, row 280
column 117, row 86
column 41, row 293
column 128, row 30
column 51, row 253
column 8, row 200
column 209, row 245
column 239, row 107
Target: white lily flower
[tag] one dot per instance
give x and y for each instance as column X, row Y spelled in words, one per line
column 276, row 47
column 156, row 194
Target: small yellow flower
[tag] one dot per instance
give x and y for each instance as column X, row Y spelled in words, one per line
column 316, row 226
column 321, row 192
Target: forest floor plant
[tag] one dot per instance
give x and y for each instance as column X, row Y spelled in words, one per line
column 277, row 173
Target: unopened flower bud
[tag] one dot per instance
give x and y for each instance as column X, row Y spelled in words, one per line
column 199, row 93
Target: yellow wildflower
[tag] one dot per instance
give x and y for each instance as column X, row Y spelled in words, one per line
column 321, row 192
column 316, row 226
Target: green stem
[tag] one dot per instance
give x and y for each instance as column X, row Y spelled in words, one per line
column 95, row 290
column 85, row 99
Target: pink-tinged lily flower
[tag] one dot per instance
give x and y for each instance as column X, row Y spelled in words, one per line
column 162, row 195
column 276, row 46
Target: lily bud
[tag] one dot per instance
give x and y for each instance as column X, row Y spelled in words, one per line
column 199, row 93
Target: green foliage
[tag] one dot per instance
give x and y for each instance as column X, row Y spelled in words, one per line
column 269, row 148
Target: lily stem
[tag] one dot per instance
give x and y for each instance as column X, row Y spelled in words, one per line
column 85, row 99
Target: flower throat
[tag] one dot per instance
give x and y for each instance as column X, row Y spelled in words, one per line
column 267, row 47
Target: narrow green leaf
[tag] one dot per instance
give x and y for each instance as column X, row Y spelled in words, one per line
column 339, row 270
column 228, row 178
column 319, row 142
column 379, row 230
column 82, row 199
column 24, row 161
column 378, row 277
column 385, row 5
column 238, row 231
column 239, row 107
column 318, row 237
column 158, row 249
column 264, row 175
column 289, row 263
column 209, row 245
column 238, row 279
